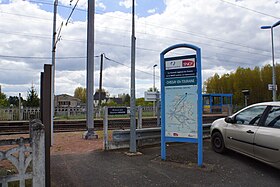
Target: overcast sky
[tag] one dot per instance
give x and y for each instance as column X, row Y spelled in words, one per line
column 227, row 31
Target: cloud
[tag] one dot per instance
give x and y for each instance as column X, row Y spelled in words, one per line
column 101, row 5
column 126, row 3
column 228, row 36
column 152, row 11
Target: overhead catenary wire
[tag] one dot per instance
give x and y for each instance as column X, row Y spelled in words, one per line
column 127, row 65
column 201, row 36
column 103, row 43
column 224, row 1
column 139, row 38
column 110, row 44
column 249, row 9
column 43, row 58
column 189, row 33
column 71, row 13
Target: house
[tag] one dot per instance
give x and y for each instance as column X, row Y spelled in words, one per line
column 103, row 98
column 119, row 101
column 65, row 100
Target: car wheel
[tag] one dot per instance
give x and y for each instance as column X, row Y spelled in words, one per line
column 217, row 142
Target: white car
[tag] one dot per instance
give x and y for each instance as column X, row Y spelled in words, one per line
column 253, row 131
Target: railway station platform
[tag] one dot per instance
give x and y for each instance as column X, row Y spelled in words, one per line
column 115, row 168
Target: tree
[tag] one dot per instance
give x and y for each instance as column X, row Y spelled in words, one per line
column 125, row 98
column 141, row 102
column 80, row 93
column 111, row 103
column 3, row 100
column 13, row 100
column 256, row 80
column 32, row 98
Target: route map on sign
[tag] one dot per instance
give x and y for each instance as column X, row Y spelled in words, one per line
column 181, row 115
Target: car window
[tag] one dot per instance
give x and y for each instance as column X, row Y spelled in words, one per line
column 273, row 118
column 250, row 116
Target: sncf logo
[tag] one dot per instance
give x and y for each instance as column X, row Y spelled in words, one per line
column 188, row 63
column 172, row 63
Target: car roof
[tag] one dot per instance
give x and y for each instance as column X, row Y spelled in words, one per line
column 271, row 103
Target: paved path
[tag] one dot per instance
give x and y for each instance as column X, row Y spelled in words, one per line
column 114, row 168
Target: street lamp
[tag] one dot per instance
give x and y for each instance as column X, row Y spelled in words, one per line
column 246, row 95
column 154, row 88
column 273, row 65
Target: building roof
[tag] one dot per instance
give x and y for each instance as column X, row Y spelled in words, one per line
column 68, row 97
column 96, row 96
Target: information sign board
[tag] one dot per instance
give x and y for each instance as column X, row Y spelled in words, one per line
column 117, row 111
column 270, row 87
column 181, row 96
column 151, row 96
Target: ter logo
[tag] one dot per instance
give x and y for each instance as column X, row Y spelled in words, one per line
column 188, row 63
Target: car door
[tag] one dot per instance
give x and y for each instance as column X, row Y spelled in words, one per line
column 240, row 134
column 267, row 138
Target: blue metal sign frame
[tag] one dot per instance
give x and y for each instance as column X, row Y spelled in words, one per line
column 196, row 72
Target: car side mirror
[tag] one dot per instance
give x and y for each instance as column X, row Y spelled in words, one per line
column 229, row 120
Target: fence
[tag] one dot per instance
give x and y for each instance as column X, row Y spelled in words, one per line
column 13, row 114
column 24, row 152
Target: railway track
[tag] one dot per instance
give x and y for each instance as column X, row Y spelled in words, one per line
column 22, row 127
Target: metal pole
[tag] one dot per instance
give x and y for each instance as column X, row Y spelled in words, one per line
column 273, row 68
column 154, row 89
column 19, row 106
column 132, row 147
column 100, row 81
column 90, row 70
column 53, row 66
column 139, row 121
column 100, row 85
column 105, row 129
column 274, row 95
column 158, row 109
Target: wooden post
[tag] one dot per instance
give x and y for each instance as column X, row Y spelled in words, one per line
column 46, row 116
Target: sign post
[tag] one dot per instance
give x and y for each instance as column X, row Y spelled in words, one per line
column 150, row 96
column 181, row 95
column 108, row 111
